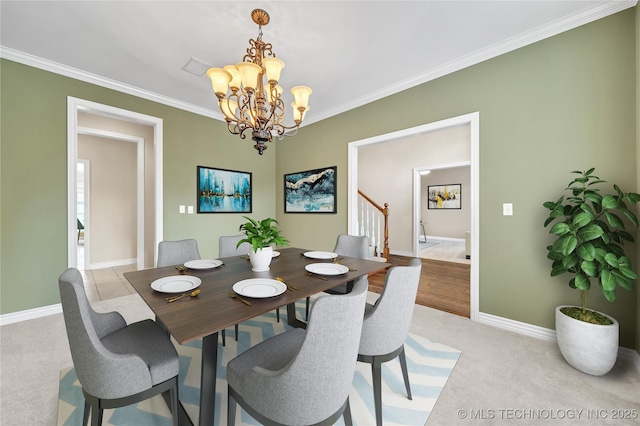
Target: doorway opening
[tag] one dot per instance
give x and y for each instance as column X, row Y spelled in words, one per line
column 76, row 106
column 473, row 121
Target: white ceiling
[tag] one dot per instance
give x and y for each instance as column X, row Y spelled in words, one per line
column 349, row 52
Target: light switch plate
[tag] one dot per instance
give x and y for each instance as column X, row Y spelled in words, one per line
column 190, row 209
column 507, row 209
column 182, row 209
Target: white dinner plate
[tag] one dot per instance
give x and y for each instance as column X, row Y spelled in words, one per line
column 275, row 254
column 320, row 255
column 259, row 287
column 327, row 268
column 176, row 284
column 203, row 264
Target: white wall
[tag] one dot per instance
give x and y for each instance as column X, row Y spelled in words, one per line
column 393, row 182
column 448, row 223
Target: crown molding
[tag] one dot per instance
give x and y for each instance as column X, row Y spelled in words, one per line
column 548, row 30
column 87, row 77
column 551, row 29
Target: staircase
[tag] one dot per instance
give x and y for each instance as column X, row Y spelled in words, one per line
column 373, row 222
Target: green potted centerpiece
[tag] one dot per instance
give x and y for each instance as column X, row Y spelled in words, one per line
column 589, row 235
column 261, row 235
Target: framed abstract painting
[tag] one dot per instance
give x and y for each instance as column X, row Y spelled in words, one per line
column 311, row 191
column 223, row 191
column 445, row 196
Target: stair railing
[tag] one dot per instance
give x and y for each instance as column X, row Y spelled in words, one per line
column 373, row 222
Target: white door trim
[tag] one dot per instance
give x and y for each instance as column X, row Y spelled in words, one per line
column 471, row 119
column 73, row 106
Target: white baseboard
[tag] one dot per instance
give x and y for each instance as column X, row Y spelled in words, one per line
column 113, row 263
column 626, row 355
column 455, row 240
column 28, row 314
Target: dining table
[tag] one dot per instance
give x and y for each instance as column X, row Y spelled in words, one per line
column 217, row 306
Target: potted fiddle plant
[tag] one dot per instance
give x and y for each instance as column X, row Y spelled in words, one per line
column 262, row 235
column 589, row 230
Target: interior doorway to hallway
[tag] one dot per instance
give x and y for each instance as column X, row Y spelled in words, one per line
column 153, row 185
column 471, row 120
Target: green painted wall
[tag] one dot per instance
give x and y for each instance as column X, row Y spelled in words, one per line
column 565, row 103
column 34, row 189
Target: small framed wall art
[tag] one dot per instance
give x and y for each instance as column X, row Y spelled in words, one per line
column 223, row 191
column 311, row 191
column 445, row 196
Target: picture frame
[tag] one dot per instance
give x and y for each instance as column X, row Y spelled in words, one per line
column 311, row 191
column 443, row 197
column 223, row 191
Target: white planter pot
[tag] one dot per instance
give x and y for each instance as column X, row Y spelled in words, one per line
column 590, row 348
column 261, row 259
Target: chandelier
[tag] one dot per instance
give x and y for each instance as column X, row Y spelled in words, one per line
column 247, row 101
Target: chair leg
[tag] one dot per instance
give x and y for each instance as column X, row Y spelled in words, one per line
column 307, row 309
column 96, row 416
column 346, row 414
column 174, row 403
column 236, row 332
column 278, row 314
column 405, row 373
column 85, row 415
column 224, row 338
column 376, row 372
column 231, row 410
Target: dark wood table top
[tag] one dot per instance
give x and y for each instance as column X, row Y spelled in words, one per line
column 213, row 310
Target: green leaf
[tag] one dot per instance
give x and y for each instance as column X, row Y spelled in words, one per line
column 570, row 261
column 632, row 217
column 622, row 281
column 590, row 268
column 611, row 259
column 572, row 283
column 613, row 220
column 582, row 282
column 609, row 202
column 609, row 295
column 628, row 272
column 560, row 228
column 632, row 197
column 593, row 197
column 554, row 255
column 607, row 280
column 587, row 251
column 590, row 232
column 588, row 172
column 558, row 270
column 549, row 205
column 566, row 244
column 581, row 219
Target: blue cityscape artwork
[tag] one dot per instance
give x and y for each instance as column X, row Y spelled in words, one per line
column 312, row 191
column 223, row 191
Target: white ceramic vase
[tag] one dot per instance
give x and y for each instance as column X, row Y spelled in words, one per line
column 261, row 259
column 590, row 348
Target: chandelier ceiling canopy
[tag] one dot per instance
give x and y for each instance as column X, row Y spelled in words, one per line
column 249, row 95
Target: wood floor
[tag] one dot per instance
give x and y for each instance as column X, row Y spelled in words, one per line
column 443, row 285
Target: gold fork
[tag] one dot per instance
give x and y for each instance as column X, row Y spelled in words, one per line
column 289, row 287
column 235, row 296
column 193, row 293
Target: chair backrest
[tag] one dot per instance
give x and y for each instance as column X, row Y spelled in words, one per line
column 227, row 246
column 101, row 372
column 386, row 326
column 317, row 381
column 352, row 246
column 177, row 252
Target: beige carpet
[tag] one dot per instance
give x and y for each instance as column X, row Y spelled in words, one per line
column 498, row 370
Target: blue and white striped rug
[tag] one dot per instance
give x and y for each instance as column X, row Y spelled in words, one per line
column 429, row 365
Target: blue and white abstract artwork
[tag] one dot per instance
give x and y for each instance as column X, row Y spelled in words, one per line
column 223, row 191
column 312, row 191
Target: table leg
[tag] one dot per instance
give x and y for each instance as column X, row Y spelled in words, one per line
column 208, row 379
column 292, row 320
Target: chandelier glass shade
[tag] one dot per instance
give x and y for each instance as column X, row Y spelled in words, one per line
column 249, row 96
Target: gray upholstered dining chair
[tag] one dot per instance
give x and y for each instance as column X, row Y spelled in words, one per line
column 177, row 252
column 228, row 246
column 302, row 377
column 117, row 364
column 386, row 325
column 350, row 246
